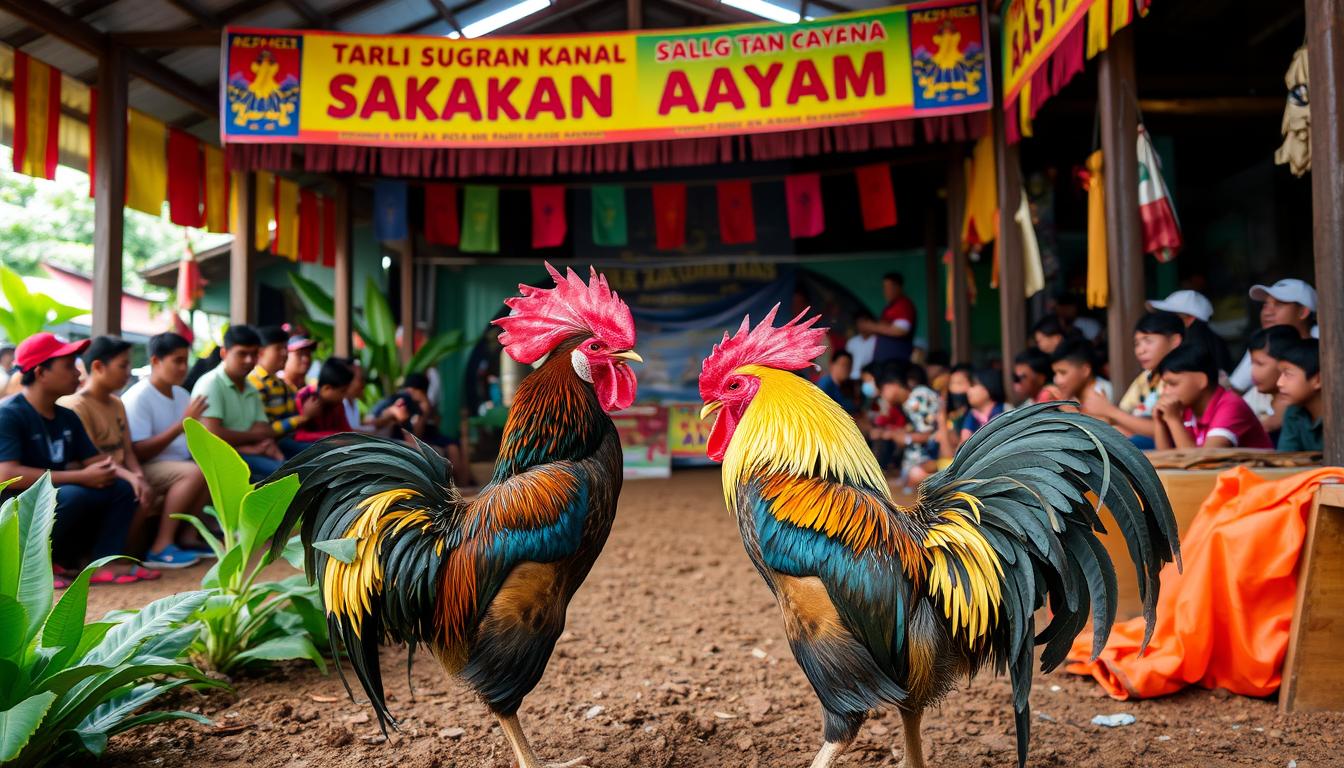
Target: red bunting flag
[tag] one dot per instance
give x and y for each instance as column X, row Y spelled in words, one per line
column 441, row 223
column 737, row 217
column 93, row 135
column 548, row 216
column 37, row 116
column 310, row 228
column 806, row 218
column 669, row 214
column 184, row 180
column 876, row 197
column 328, row 231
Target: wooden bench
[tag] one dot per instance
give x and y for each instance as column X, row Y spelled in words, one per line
column 1313, row 671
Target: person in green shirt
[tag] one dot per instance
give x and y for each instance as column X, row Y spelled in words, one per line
column 1300, row 384
column 234, row 411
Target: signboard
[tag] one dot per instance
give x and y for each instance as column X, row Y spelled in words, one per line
column 687, row 435
column 330, row 87
column 1031, row 32
column 643, row 432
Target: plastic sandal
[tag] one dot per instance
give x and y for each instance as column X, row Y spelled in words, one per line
column 104, row 576
column 171, row 557
column 59, row 582
column 144, row 574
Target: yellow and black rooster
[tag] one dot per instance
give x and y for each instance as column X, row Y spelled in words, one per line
column 885, row 604
column 401, row 557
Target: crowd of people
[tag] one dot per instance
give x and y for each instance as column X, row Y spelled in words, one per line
column 117, row 450
column 916, row 409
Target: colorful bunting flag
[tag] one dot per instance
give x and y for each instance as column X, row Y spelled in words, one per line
column 480, row 220
column 328, row 205
column 216, row 192
column 1161, row 228
column 1098, row 281
column 286, row 219
column 876, row 197
column 37, row 116
column 548, row 216
column 184, row 183
column 265, row 209
column 806, row 217
column 146, row 164
column 609, row 227
column 982, row 204
column 389, row 210
column 310, row 228
column 669, row 214
column 190, row 285
column 737, row 215
column 441, row 223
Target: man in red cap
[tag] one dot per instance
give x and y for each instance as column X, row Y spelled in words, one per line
column 93, row 505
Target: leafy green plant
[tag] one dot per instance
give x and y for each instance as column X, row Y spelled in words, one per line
column 247, row 622
column 67, row 686
column 376, row 327
column 29, row 313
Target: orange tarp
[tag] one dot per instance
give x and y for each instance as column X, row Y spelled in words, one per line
column 1224, row 622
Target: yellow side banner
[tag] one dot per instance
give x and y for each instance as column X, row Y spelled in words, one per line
column 1032, row 30
column 920, row 60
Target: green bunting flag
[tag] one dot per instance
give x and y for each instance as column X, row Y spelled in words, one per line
column 609, row 216
column 480, row 220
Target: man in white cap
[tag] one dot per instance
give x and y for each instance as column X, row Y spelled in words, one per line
column 1189, row 305
column 1289, row 302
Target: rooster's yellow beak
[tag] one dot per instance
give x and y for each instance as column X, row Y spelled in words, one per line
column 630, row 355
column 710, row 408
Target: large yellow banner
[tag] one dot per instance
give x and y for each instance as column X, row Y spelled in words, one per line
column 924, row 59
column 1032, row 30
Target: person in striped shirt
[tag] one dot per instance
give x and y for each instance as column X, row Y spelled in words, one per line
column 278, row 397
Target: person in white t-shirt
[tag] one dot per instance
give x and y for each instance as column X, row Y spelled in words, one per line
column 862, row 345
column 1287, row 302
column 156, row 408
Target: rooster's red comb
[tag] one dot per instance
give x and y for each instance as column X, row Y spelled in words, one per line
column 541, row 318
column 789, row 347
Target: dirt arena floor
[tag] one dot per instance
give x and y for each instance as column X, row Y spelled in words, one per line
column 675, row 656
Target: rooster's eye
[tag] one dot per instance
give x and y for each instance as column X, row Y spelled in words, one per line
column 594, row 346
column 733, row 385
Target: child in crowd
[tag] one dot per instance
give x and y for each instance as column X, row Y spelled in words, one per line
column 6, row 365
column 94, row 505
column 885, row 424
column 1288, row 302
column 1300, row 383
column 836, row 382
column 985, row 399
column 277, row 395
column 298, row 362
column 1049, row 334
column 861, row 345
column 233, row 410
column 1032, row 377
column 1194, row 410
column 1074, row 366
column 324, row 403
column 1156, row 334
column 938, row 364
column 156, row 408
column 1266, row 349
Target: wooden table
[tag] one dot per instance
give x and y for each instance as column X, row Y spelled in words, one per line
column 1313, row 671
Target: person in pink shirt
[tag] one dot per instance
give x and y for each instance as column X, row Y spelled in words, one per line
column 1194, row 411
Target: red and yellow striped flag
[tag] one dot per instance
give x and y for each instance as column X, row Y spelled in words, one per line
column 37, row 116
column 218, row 217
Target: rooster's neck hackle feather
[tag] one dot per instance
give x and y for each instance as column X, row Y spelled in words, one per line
column 555, row 416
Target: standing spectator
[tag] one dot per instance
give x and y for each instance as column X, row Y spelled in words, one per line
column 1048, row 334
column 6, row 363
column 1287, row 302
column 1156, row 334
column 1300, row 383
column 862, row 345
column 1074, row 365
column 1187, row 305
column 325, row 401
column 1266, row 350
column 233, row 410
column 895, row 331
column 1196, row 411
column 299, row 362
column 93, row 505
column 278, row 397
column 1032, row 377
column 837, row 384
column 156, row 408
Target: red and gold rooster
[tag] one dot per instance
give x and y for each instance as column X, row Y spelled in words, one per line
column 885, row 604
column 401, row 557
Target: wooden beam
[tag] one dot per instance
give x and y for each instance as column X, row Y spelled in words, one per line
column 1012, row 285
column 109, row 197
column 241, row 9
column 33, row 32
column 198, row 14
column 407, row 315
column 1116, row 92
column 634, row 14
column 446, row 14
column 196, row 37
column 713, row 9
column 956, row 271
column 310, row 13
column 1325, row 59
column 343, row 288
column 242, row 255
column 545, row 18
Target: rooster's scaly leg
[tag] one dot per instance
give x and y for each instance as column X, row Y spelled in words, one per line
column 829, row 752
column 513, row 731
column 914, row 746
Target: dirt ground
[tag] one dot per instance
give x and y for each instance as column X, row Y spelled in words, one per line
column 675, row 656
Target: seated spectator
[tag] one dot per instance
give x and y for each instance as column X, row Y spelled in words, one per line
column 861, row 345
column 1196, row 411
column 6, row 365
column 299, row 361
column 1189, row 306
column 1074, row 366
column 922, row 407
column 1049, row 334
column 1069, row 310
column 938, row 364
column 422, row 422
column 233, row 410
column 1300, row 383
column 885, row 425
column 156, row 408
column 1032, row 377
column 94, row 506
column 1201, row 333
column 1266, row 350
column 1156, row 334
column 324, row 403
column 278, row 397
column 203, row 365
column 984, row 400
column 1287, row 302
column 836, row 382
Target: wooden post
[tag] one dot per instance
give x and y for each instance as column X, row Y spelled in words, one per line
column 956, row 271
column 1012, row 282
column 109, row 196
column 1325, row 60
column 1116, row 94
column 634, row 14
column 242, row 284
column 933, row 287
column 345, row 275
column 407, row 298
